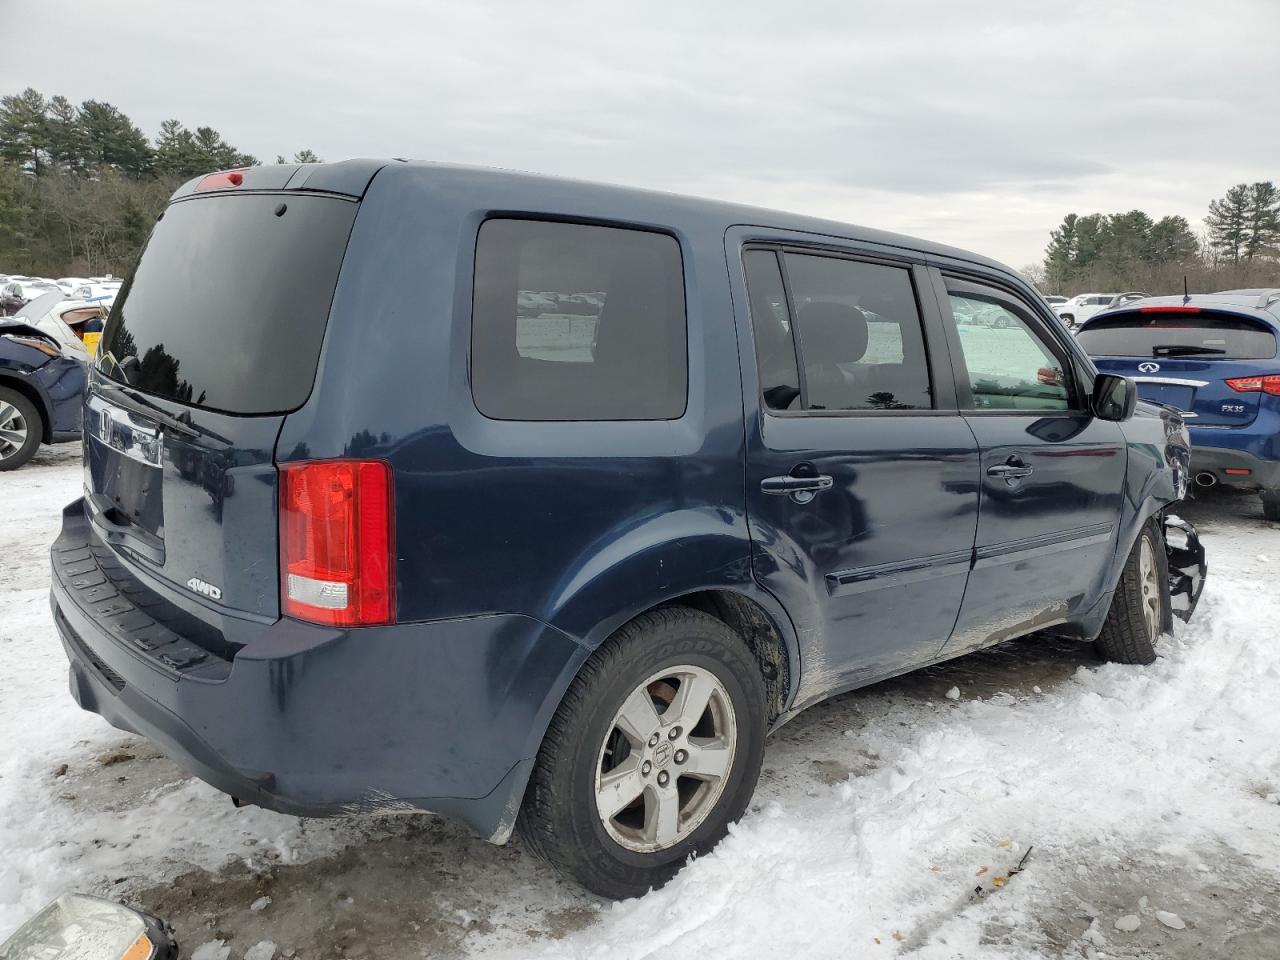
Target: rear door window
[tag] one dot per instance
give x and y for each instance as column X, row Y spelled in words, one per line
column 1204, row 335
column 227, row 307
column 859, row 335
column 574, row 321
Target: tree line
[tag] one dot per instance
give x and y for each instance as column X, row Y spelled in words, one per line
column 1130, row 251
column 80, row 185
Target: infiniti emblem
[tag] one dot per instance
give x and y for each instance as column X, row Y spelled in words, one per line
column 1149, row 367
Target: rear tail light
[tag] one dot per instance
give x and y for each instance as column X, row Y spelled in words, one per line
column 1168, row 309
column 337, row 542
column 1269, row 384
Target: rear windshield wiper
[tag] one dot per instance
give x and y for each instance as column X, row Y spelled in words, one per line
column 1181, row 350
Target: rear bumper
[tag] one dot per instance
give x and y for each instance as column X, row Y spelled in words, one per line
column 444, row 716
column 1264, row 473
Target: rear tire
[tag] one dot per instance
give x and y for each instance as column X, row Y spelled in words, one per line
column 1271, row 504
column 21, row 429
column 614, row 735
column 1141, row 609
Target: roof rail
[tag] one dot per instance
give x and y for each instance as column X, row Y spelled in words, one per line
column 1267, row 298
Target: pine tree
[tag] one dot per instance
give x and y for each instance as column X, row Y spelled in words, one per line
column 1262, row 221
column 1060, row 256
column 24, row 130
column 306, row 156
column 1228, row 221
column 65, row 136
column 111, row 139
column 1171, row 241
column 1090, row 239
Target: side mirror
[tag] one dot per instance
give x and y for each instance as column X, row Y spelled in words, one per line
column 1114, row 398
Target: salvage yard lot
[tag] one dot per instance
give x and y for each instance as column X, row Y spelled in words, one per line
column 888, row 822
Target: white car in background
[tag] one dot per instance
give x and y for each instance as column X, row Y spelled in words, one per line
column 1083, row 306
column 55, row 315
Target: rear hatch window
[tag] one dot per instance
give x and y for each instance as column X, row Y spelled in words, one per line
column 1205, row 335
column 226, row 309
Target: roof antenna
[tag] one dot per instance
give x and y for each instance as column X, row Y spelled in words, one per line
column 1186, row 297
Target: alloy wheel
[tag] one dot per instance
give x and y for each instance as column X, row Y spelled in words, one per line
column 1149, row 573
column 13, row 430
column 665, row 759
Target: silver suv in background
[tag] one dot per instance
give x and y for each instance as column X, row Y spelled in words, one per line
column 1083, row 306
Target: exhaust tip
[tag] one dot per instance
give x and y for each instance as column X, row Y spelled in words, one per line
column 1206, row 479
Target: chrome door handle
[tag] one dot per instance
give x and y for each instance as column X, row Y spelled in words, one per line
column 1011, row 471
column 788, row 484
column 799, row 489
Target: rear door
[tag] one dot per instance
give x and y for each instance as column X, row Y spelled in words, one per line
column 1184, row 356
column 861, row 475
column 1052, row 475
column 214, row 338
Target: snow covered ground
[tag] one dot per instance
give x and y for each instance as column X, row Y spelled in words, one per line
column 888, row 822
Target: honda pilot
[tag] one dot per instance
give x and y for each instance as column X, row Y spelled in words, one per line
column 539, row 504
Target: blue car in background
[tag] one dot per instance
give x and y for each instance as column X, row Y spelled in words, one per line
column 1214, row 357
column 41, row 393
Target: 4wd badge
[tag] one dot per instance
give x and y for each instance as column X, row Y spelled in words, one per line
column 205, row 588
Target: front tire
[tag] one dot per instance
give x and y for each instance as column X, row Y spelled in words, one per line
column 654, row 751
column 1141, row 609
column 21, row 428
column 1271, row 504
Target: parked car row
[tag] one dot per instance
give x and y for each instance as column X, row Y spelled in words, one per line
column 16, row 290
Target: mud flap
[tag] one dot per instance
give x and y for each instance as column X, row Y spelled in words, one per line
column 1187, row 567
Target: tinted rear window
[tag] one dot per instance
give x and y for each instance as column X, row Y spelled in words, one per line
column 1220, row 336
column 578, row 322
column 226, row 308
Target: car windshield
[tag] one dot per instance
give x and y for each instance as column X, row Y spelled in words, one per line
column 1216, row 336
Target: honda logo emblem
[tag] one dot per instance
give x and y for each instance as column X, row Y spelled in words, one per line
column 1149, row 367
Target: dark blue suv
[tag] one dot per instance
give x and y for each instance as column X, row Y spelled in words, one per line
column 538, row 504
column 1216, row 358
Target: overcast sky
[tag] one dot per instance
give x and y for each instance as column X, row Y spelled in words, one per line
column 979, row 124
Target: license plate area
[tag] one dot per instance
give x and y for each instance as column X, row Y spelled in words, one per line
column 124, row 477
column 1175, row 395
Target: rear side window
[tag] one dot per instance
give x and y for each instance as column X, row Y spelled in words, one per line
column 227, row 306
column 578, row 322
column 1206, row 335
column 855, row 331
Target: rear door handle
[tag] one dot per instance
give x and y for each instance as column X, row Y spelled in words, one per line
column 800, row 489
column 1011, row 471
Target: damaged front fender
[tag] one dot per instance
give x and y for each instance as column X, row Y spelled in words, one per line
column 1187, row 566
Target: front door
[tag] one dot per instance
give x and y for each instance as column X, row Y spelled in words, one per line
column 1052, row 474
column 862, row 477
